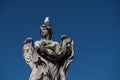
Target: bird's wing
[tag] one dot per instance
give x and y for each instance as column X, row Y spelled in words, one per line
column 46, row 21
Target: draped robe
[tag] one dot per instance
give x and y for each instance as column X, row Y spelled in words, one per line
column 48, row 60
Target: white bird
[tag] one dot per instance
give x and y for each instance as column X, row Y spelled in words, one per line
column 47, row 22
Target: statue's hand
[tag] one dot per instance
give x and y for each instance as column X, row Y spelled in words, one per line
column 66, row 39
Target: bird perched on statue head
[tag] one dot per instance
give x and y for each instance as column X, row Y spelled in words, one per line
column 47, row 22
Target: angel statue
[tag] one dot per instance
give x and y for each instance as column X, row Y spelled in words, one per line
column 49, row 60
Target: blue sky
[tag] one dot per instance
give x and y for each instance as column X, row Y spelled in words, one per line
column 94, row 26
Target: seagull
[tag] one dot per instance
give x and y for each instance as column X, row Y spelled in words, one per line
column 47, row 22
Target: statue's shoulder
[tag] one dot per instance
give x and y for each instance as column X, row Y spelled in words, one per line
column 54, row 42
column 37, row 43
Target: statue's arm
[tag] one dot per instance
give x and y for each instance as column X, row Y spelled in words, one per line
column 65, row 49
column 57, row 52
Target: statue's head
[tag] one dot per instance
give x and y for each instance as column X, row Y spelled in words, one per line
column 46, row 32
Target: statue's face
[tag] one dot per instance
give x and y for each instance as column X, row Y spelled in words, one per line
column 44, row 32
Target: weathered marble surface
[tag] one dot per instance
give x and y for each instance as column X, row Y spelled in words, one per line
column 49, row 60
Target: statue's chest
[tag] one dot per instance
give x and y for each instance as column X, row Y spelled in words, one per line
column 46, row 44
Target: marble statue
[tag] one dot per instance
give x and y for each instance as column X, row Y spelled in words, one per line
column 49, row 60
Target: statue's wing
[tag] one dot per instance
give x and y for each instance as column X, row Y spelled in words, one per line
column 35, row 55
column 68, row 57
column 27, row 51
